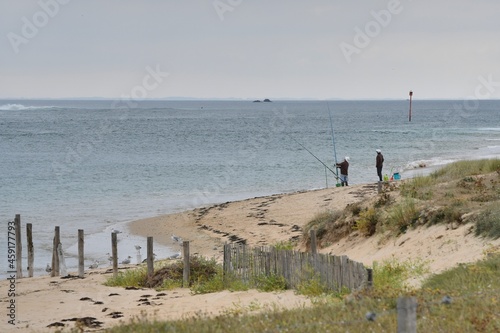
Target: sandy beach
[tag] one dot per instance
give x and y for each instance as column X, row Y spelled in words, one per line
column 43, row 301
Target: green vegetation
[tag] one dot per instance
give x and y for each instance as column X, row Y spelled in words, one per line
column 463, row 169
column 402, row 215
column 367, row 221
column 393, row 274
column 462, row 299
column 458, row 193
column 169, row 275
column 129, row 278
column 488, row 223
column 284, row 245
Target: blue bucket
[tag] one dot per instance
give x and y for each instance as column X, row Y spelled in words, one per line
column 397, row 176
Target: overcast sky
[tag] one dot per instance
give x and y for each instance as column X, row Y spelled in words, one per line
column 250, row 49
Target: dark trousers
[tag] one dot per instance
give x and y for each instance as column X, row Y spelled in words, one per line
column 379, row 173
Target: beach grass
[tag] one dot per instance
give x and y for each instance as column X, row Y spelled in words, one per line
column 459, row 193
column 465, row 298
column 461, row 299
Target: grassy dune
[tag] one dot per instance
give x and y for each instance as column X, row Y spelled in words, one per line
column 465, row 298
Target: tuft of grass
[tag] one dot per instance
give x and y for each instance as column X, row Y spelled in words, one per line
column 355, row 208
column 312, row 287
column 320, row 223
column 169, row 275
column 447, row 214
column 418, row 187
column 403, row 215
column 392, row 274
column 284, row 245
column 272, row 282
column 367, row 222
column 129, row 278
column 488, row 223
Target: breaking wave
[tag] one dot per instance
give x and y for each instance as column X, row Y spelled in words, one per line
column 18, row 107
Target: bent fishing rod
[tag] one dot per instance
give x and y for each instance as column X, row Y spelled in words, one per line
column 320, row 161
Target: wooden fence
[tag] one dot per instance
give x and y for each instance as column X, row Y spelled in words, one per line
column 334, row 272
column 58, row 266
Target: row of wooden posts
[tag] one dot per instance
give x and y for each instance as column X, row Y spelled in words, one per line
column 406, row 306
column 58, row 256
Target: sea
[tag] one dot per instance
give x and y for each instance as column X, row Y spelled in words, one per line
column 97, row 165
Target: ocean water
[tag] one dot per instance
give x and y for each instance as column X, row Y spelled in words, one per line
column 97, row 165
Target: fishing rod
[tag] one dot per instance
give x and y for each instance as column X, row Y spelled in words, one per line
column 333, row 140
column 320, row 161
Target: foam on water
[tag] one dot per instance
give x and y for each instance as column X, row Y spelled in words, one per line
column 20, row 107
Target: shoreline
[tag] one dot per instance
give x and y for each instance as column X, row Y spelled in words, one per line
column 272, row 219
column 263, row 220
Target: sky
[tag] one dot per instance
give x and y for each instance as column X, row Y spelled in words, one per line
column 250, row 49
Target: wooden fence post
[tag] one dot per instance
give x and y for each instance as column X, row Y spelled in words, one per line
column 312, row 234
column 31, row 254
column 114, row 253
column 370, row 278
column 62, row 262
column 185, row 256
column 226, row 265
column 19, row 248
column 55, row 256
column 150, row 258
column 379, row 187
column 81, row 268
column 407, row 315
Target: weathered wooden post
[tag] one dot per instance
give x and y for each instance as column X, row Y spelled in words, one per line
column 313, row 242
column 62, row 262
column 226, row 265
column 150, row 258
column 19, row 248
column 379, row 187
column 31, row 254
column 185, row 256
column 81, row 262
column 114, row 253
column 407, row 315
column 55, row 256
column 370, row 278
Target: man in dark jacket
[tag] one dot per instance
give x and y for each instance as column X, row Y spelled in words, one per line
column 379, row 163
column 344, row 166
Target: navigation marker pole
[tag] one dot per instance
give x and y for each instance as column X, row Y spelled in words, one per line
column 409, row 115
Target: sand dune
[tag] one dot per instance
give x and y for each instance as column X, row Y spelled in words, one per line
column 43, row 301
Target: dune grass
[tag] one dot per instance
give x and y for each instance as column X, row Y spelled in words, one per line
column 462, row 299
column 465, row 298
column 463, row 169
